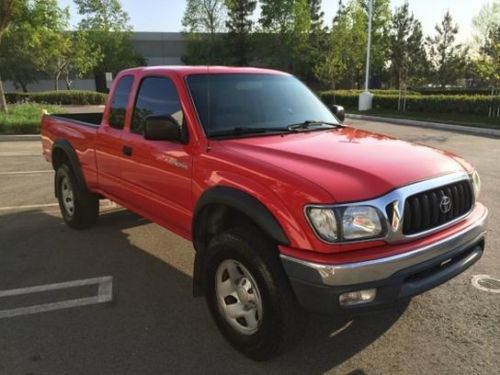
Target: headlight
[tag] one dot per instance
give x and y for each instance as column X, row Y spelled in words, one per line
column 345, row 223
column 324, row 222
column 361, row 222
column 476, row 183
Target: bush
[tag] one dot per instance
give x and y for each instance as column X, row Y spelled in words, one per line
column 346, row 98
column 477, row 104
column 72, row 97
column 25, row 118
column 349, row 98
column 439, row 91
column 376, row 92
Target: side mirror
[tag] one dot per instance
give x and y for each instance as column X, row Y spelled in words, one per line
column 162, row 128
column 338, row 111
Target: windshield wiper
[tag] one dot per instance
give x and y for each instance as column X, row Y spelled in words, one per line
column 248, row 130
column 313, row 124
column 244, row 130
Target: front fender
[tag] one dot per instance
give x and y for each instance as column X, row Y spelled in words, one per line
column 243, row 202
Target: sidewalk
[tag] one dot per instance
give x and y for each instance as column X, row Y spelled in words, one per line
column 432, row 125
column 19, row 137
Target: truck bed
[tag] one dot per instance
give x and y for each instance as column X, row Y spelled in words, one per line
column 79, row 131
column 88, row 119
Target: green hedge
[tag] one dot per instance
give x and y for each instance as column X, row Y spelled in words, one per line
column 439, row 91
column 72, row 97
column 477, row 104
column 349, row 98
column 377, row 92
column 346, row 98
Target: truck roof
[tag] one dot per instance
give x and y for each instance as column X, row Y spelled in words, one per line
column 184, row 70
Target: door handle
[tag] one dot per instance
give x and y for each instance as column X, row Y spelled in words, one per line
column 127, row 150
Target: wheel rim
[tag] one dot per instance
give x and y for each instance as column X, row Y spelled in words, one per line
column 67, row 196
column 238, row 297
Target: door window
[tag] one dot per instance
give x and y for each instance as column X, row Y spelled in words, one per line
column 157, row 97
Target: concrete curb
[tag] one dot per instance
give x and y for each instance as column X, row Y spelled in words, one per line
column 19, row 137
column 431, row 125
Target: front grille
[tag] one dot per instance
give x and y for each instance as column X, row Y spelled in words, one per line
column 427, row 210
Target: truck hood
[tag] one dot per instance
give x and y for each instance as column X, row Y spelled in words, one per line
column 350, row 164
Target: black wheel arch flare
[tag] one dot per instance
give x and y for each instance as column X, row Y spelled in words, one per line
column 65, row 146
column 237, row 200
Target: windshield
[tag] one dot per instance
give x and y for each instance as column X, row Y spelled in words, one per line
column 225, row 102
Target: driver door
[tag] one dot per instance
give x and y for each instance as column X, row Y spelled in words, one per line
column 157, row 174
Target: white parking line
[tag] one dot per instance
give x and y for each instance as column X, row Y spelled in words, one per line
column 28, row 207
column 17, row 153
column 106, row 204
column 104, row 294
column 26, row 172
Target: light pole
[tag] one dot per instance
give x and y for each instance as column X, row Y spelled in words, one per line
column 366, row 98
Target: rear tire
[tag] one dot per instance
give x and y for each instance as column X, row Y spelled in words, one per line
column 79, row 207
column 249, row 294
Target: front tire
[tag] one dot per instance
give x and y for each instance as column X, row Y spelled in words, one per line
column 249, row 294
column 79, row 207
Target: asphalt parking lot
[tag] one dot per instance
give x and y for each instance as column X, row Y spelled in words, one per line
column 152, row 325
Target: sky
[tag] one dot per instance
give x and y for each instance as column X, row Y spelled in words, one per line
column 166, row 15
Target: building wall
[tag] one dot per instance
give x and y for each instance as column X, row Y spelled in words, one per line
column 160, row 48
column 48, row 85
column 157, row 49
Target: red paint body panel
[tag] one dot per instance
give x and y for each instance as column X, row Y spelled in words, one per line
column 365, row 164
column 83, row 140
column 163, row 180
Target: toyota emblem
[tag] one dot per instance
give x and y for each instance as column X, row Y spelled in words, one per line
column 445, row 205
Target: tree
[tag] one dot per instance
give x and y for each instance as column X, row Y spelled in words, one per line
column 298, row 41
column 38, row 42
column 16, row 60
column 106, row 25
column 485, row 21
column 276, row 24
column 318, row 38
column 9, row 9
column 203, row 21
column 240, row 25
column 84, row 56
column 287, row 28
column 332, row 67
column 488, row 63
column 448, row 58
column 347, row 47
column 316, row 15
column 277, row 16
column 47, row 25
column 204, row 16
column 408, row 58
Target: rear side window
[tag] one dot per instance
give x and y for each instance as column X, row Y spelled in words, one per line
column 118, row 108
column 157, row 97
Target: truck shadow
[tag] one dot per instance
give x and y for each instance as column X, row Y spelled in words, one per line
column 153, row 325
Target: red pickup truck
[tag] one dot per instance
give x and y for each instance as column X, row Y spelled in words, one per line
column 289, row 210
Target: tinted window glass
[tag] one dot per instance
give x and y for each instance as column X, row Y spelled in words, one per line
column 119, row 103
column 156, row 97
column 228, row 101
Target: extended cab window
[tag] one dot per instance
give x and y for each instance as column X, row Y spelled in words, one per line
column 157, row 97
column 119, row 104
